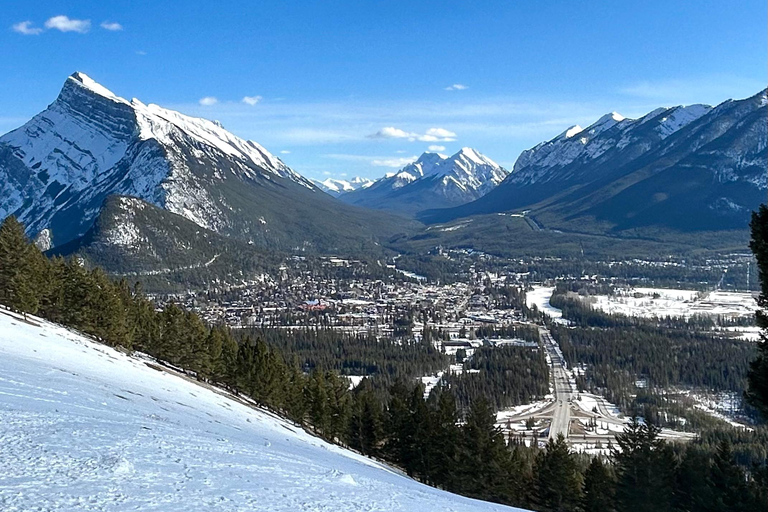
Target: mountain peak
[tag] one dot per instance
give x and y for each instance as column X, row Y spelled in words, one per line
column 613, row 117
column 570, row 132
column 92, row 85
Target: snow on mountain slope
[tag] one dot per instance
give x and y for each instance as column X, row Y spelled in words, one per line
column 434, row 180
column 612, row 132
column 56, row 170
column 85, row 427
column 337, row 187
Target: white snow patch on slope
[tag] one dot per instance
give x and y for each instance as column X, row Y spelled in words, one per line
column 85, row 427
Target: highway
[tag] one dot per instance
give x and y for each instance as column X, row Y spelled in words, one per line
column 567, row 407
column 561, row 415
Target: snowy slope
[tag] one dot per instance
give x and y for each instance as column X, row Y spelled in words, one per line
column 85, row 427
column 90, row 143
column 622, row 174
column 434, row 180
column 58, row 169
column 336, row 187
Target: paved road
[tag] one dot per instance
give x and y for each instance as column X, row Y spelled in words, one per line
column 561, row 416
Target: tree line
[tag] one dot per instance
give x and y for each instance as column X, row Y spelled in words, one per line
column 427, row 438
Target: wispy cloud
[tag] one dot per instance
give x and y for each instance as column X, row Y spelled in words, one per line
column 456, row 87
column 208, row 101
column 376, row 161
column 285, row 152
column 67, row 24
column 431, row 135
column 251, row 100
column 434, row 147
column 394, row 163
column 111, row 25
column 711, row 89
column 26, row 28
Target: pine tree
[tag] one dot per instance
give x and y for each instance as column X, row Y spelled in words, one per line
column 317, row 397
column 18, row 278
column 443, row 443
column 727, row 483
column 558, row 482
column 645, row 469
column 757, row 390
column 598, row 488
column 484, row 457
column 693, row 492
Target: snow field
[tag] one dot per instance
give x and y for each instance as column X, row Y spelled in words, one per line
column 86, row 427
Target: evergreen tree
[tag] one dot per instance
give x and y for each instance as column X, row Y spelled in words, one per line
column 484, row 458
column 598, row 488
column 19, row 274
column 645, row 469
column 444, row 440
column 558, row 482
column 727, row 483
column 757, row 392
column 692, row 491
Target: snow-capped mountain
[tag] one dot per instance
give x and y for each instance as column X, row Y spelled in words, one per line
column 686, row 167
column 434, row 180
column 57, row 170
column 88, row 427
column 336, row 187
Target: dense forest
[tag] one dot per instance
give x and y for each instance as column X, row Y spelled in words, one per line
column 426, row 438
column 505, row 376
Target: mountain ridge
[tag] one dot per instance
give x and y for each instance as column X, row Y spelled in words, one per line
column 58, row 169
column 433, row 179
column 615, row 172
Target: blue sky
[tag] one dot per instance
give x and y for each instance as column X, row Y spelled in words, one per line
column 345, row 88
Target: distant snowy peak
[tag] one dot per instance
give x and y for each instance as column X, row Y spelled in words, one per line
column 433, row 180
column 467, row 168
column 611, row 131
column 336, row 187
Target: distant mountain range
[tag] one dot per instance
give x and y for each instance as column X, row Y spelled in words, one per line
column 338, row 187
column 432, row 181
column 141, row 189
column 57, row 171
column 685, row 168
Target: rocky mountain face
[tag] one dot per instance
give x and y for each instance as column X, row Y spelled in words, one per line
column 434, row 180
column 57, row 170
column 336, row 187
column 687, row 168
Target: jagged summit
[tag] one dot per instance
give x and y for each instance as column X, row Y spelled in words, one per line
column 85, row 81
column 433, row 179
column 650, row 171
column 57, row 170
column 337, row 187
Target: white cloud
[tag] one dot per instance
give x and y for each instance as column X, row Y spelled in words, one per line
column 208, row 101
column 456, row 87
column 141, row 52
column 26, row 28
column 111, row 25
column 285, row 152
column 438, row 134
column 434, row 147
column 395, row 163
column 66, row 24
column 251, row 100
column 390, row 132
column 431, row 135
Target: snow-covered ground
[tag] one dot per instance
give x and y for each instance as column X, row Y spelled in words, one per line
column 85, row 427
column 662, row 302
column 539, row 297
